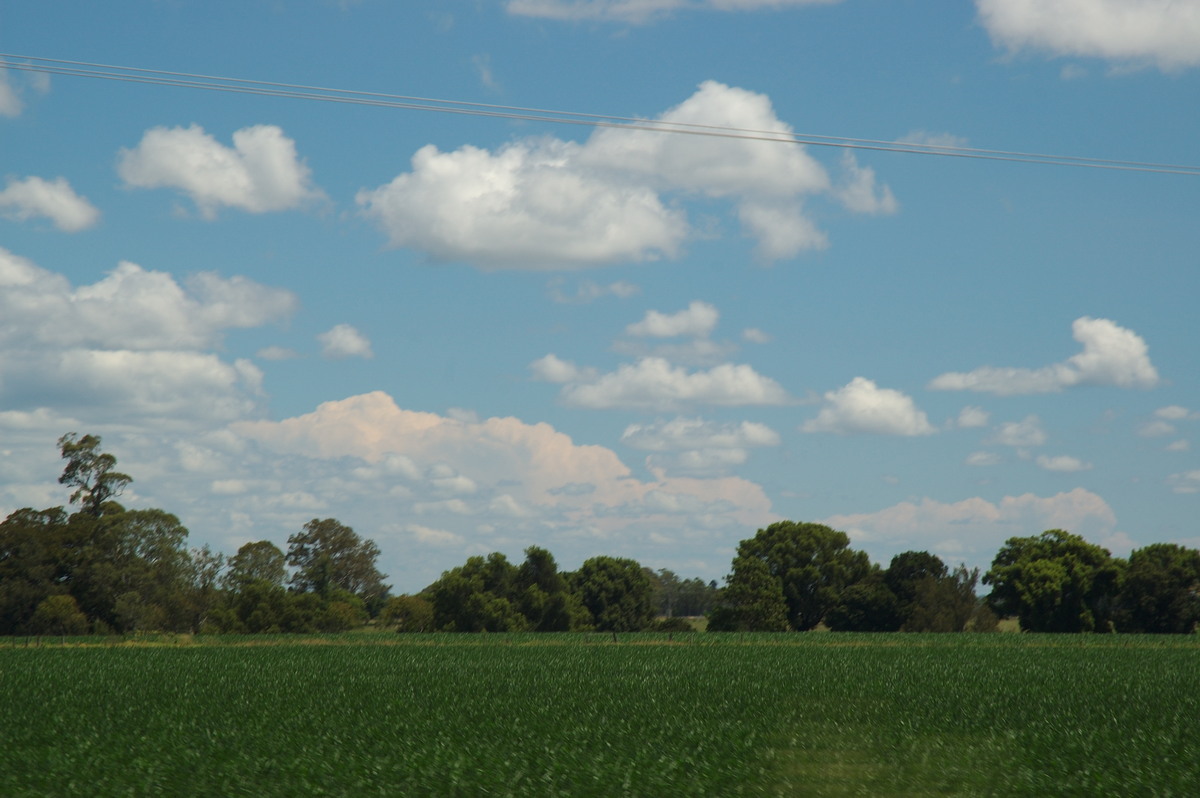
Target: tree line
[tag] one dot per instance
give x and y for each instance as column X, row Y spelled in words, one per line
column 104, row 568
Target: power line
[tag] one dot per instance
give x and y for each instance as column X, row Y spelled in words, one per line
column 158, row 77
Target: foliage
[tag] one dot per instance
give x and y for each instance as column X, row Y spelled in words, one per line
column 328, row 554
column 260, row 561
column 615, row 592
column 752, row 601
column 947, row 603
column 407, row 614
column 58, row 615
column 1055, row 582
column 674, row 596
column 813, row 563
column 1161, row 590
column 90, row 472
column 866, row 606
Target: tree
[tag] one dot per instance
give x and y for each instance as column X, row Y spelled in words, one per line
column 944, row 603
column 38, row 556
column 90, row 472
column 408, row 614
column 477, row 597
column 866, row 606
column 328, row 554
column 260, row 561
column 541, row 592
column 752, row 601
column 813, row 563
column 58, row 615
column 907, row 571
column 1055, row 582
column 616, row 594
column 1161, row 590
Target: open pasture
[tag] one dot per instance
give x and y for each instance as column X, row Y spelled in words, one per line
column 699, row 714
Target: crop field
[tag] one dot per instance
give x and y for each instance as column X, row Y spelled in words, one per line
column 697, row 714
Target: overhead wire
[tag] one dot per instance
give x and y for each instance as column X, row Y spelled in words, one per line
column 175, row 79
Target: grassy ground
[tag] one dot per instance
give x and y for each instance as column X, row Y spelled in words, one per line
column 693, row 714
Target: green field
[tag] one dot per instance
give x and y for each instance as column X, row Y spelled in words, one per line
column 699, row 714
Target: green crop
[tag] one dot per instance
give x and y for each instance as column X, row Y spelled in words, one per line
column 580, row 715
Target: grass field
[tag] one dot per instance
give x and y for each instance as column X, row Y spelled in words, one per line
column 699, row 714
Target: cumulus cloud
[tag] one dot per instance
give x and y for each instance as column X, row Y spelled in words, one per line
column 545, row 203
column 973, row 529
column 55, row 200
column 863, row 407
column 638, row 12
column 1161, row 32
column 698, row 319
column 754, row 335
column 1174, row 413
column 343, row 341
column 261, row 172
column 653, row 383
column 1062, row 462
column 1112, row 355
column 134, row 344
column 1024, row 433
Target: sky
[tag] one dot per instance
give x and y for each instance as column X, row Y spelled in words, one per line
column 461, row 333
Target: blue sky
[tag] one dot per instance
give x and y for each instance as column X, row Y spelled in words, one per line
column 461, row 334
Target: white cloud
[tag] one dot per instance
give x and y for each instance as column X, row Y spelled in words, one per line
column 551, row 368
column 925, row 139
column 545, row 203
column 1161, row 32
column 493, row 483
column 344, row 341
column 1062, row 462
column 971, row 416
column 973, row 529
column 277, row 353
column 1024, row 433
column 981, row 459
column 433, row 537
column 755, row 336
column 260, row 172
column 695, row 433
column 10, row 100
column 1111, row 355
column 698, row 319
column 132, row 346
column 693, row 446
column 653, row 383
column 1174, row 413
column 1185, row 482
column 638, row 12
column 860, row 193
column 51, row 199
column 1156, row 429
column 1181, row 445
column 530, row 205
column 862, row 407
column 588, row 291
